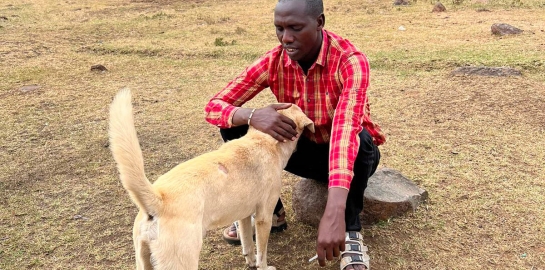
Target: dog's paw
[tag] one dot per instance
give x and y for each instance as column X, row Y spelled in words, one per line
column 251, row 261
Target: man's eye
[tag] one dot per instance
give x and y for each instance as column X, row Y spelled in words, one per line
column 279, row 29
column 297, row 28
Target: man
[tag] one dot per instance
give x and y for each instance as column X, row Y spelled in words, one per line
column 327, row 77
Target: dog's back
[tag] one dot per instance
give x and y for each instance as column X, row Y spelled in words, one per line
column 228, row 180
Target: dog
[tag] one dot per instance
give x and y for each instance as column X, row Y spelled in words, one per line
column 215, row 189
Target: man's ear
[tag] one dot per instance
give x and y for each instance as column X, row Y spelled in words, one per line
column 321, row 21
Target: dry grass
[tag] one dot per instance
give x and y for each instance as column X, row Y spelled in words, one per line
column 476, row 144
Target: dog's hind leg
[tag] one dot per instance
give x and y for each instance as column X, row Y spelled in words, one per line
column 246, row 234
column 141, row 237
column 263, row 224
column 178, row 247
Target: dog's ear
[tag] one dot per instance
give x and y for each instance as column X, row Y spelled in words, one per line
column 309, row 124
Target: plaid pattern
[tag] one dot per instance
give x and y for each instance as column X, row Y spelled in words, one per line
column 332, row 94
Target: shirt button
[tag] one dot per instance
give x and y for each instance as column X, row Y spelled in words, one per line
column 308, row 100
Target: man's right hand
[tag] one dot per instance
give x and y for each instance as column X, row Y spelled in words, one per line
column 269, row 121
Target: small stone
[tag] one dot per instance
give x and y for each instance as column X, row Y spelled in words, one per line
column 401, row 3
column 502, row 29
column 99, row 67
column 80, row 217
column 439, row 7
column 402, row 28
column 483, row 10
column 3, row 18
column 29, row 88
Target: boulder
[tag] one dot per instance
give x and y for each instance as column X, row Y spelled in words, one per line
column 388, row 194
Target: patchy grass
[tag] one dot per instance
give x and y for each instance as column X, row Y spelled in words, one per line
column 475, row 143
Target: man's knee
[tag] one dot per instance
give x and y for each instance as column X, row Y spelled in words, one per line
column 368, row 156
column 233, row 133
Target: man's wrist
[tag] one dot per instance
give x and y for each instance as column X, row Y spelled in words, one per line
column 241, row 116
column 336, row 198
column 250, row 117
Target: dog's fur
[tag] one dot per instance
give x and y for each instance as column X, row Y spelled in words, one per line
column 215, row 189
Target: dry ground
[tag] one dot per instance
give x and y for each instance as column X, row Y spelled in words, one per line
column 477, row 144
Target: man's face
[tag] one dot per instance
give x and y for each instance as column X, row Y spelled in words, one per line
column 298, row 32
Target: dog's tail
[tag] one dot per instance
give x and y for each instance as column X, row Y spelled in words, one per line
column 128, row 155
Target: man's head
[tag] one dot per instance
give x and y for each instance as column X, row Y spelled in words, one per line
column 299, row 26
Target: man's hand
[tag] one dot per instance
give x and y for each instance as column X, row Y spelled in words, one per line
column 269, row 121
column 331, row 232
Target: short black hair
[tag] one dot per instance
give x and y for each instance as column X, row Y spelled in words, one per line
column 314, row 7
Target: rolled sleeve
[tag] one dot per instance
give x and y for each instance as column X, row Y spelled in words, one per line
column 220, row 109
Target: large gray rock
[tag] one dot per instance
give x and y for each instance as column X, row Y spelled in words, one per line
column 388, row 194
column 502, row 29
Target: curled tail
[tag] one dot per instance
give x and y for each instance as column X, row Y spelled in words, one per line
column 128, row 155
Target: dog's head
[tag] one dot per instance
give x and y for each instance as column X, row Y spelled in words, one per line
column 301, row 120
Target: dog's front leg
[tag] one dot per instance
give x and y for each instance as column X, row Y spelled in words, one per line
column 246, row 235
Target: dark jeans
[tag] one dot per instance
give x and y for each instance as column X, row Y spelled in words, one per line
column 311, row 160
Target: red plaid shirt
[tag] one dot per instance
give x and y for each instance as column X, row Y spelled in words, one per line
column 332, row 94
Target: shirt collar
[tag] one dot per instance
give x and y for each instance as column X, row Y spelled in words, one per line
column 322, row 56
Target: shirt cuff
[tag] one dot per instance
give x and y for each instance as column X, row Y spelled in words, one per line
column 340, row 179
column 229, row 113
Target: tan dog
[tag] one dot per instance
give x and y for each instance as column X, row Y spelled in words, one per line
column 242, row 177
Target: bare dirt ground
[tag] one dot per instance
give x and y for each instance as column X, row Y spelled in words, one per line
column 477, row 144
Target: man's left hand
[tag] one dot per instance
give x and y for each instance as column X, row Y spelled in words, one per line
column 331, row 232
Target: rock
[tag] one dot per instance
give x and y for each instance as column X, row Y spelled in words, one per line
column 483, row 10
column 29, row 88
column 99, row 68
column 309, row 198
column 486, row 71
column 80, row 217
column 3, row 18
column 388, row 194
column 502, row 29
column 401, row 28
column 401, row 2
column 439, row 7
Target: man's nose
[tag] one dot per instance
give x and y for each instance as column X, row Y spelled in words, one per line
column 287, row 37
